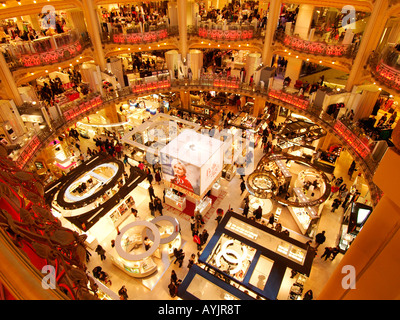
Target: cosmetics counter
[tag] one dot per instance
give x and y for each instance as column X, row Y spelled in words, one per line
column 130, row 254
column 244, row 256
column 306, row 218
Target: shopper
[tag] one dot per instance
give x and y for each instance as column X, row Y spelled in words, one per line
column 174, row 277
column 203, row 237
column 197, row 240
column 192, row 223
column 151, row 192
column 246, row 209
column 335, row 204
column 191, row 260
column 327, row 253
column 181, row 256
column 320, row 239
column 152, row 208
column 173, row 289
column 258, row 213
column 147, row 243
column 242, row 187
column 351, row 169
column 101, row 252
column 335, row 252
column 123, row 293
column 308, row 295
column 271, row 220
column 158, row 205
column 157, row 176
column 149, row 176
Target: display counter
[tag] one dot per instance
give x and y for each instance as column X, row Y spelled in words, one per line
column 129, row 253
column 216, row 189
column 265, row 204
column 174, row 200
column 169, row 230
column 203, row 206
column 303, row 215
column 228, row 171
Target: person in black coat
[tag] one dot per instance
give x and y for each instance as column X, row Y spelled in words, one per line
column 320, row 239
column 246, row 209
column 242, row 187
column 258, row 213
column 158, row 205
column 151, row 192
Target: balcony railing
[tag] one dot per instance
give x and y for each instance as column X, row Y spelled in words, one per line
column 134, row 35
column 44, row 51
column 385, row 67
column 356, row 144
column 315, row 47
column 225, row 32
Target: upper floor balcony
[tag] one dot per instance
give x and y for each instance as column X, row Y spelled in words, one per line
column 45, row 50
column 317, row 48
column 226, row 32
column 385, row 67
column 137, row 34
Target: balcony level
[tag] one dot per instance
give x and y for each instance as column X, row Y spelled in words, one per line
column 44, row 51
column 385, row 68
column 357, row 145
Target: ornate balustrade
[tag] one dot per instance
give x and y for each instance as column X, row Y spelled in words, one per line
column 44, row 51
column 315, row 47
column 229, row 32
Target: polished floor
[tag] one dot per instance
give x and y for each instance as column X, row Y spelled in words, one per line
column 157, row 287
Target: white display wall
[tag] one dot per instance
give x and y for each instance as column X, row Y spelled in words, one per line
column 200, row 156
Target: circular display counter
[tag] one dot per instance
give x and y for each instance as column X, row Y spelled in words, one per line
column 263, row 184
column 138, row 264
column 170, row 237
column 89, row 181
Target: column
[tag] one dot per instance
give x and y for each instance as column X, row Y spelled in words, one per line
column 185, row 100
column 94, row 32
column 195, row 62
column 366, row 104
column 182, row 24
column 369, row 41
column 272, row 23
column 111, row 114
column 293, row 69
column 8, row 82
column 259, row 105
column 303, row 21
column 373, row 256
column 173, row 13
column 253, row 61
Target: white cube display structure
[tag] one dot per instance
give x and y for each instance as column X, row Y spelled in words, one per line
column 191, row 163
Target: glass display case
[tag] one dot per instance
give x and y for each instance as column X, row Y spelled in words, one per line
column 292, row 252
column 203, row 206
column 174, row 200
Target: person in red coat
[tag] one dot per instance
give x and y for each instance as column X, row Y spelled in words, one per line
column 180, row 175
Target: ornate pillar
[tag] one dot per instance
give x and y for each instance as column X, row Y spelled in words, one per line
column 259, row 104
column 293, row 69
column 373, row 256
column 366, row 104
column 94, row 32
column 272, row 23
column 369, row 41
column 185, row 100
column 303, row 21
column 8, row 82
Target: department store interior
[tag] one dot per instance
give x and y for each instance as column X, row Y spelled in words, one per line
column 199, row 150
